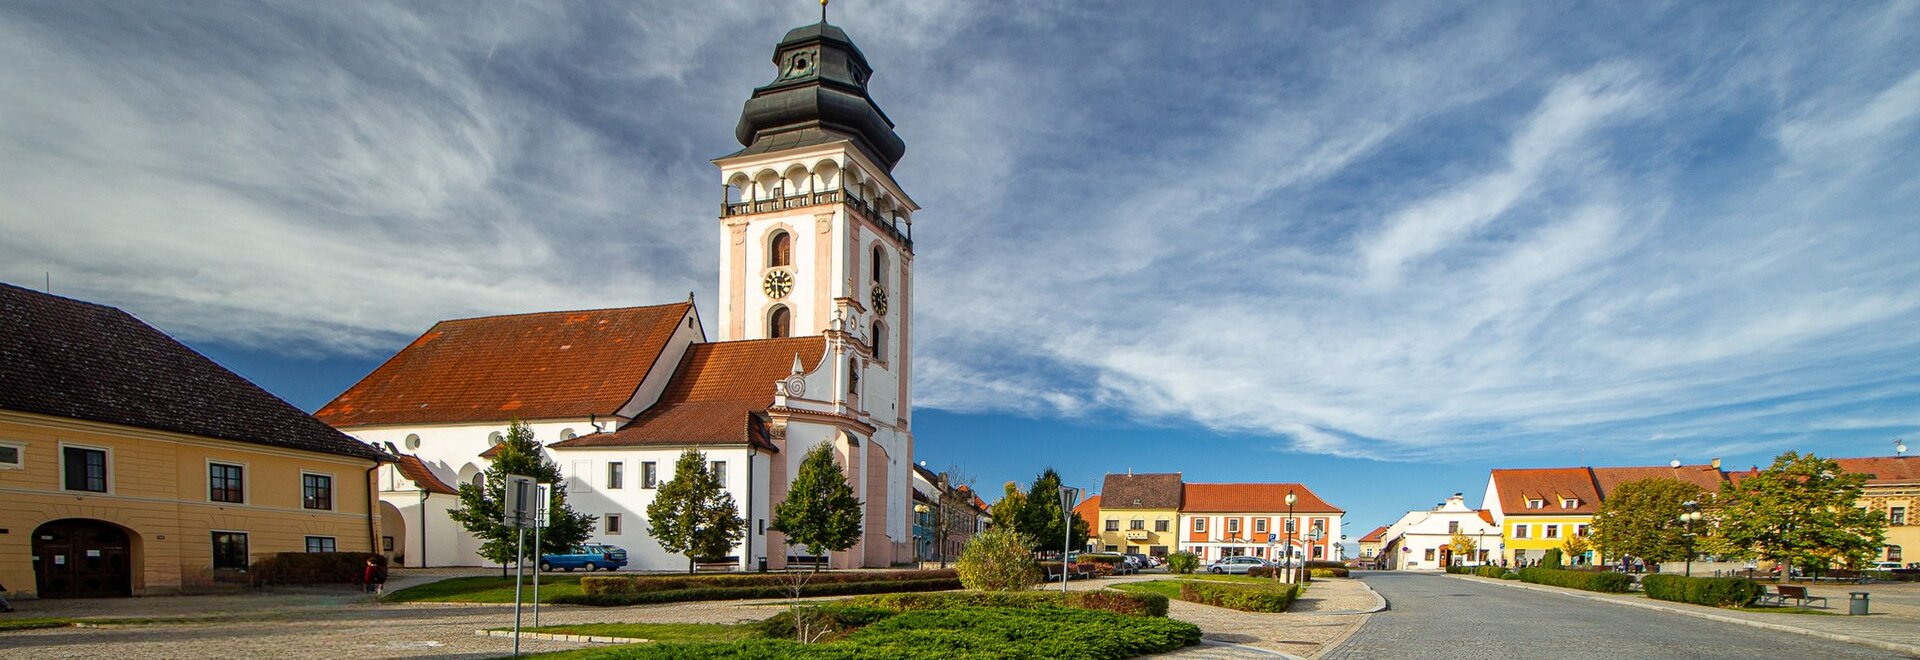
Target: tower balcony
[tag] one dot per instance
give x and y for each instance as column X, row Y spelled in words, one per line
column 780, row 201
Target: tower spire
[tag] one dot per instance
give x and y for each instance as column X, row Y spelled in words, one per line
column 823, row 12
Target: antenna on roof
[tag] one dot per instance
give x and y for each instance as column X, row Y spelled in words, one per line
column 49, row 288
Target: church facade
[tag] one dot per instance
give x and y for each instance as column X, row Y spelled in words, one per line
column 813, row 347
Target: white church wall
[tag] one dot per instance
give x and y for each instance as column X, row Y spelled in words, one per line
column 631, row 499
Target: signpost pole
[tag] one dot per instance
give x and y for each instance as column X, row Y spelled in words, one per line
column 519, row 568
column 544, row 492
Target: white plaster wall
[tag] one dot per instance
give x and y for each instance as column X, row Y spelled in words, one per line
column 589, row 466
column 688, row 333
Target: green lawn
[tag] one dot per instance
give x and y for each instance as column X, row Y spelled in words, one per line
column 488, row 589
column 658, row 632
column 1168, row 588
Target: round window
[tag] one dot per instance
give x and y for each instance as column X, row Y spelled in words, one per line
column 494, row 439
column 413, row 441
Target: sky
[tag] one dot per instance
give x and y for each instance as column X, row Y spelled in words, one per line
column 1377, row 248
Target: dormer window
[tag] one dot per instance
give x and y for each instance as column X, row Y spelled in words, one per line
column 1536, row 503
column 1569, row 502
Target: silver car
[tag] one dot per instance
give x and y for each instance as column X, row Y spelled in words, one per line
column 1239, row 564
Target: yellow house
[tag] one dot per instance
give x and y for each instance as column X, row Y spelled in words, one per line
column 130, row 464
column 1893, row 489
column 1139, row 513
column 1539, row 508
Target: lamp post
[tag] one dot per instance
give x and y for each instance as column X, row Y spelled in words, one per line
column 1288, row 562
column 1067, row 497
column 1690, row 516
column 922, row 509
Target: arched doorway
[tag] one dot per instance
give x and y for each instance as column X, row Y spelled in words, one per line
column 393, row 534
column 78, row 558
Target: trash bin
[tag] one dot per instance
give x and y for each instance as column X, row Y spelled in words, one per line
column 763, row 564
column 1857, row 603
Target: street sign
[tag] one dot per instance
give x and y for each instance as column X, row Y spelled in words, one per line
column 518, row 509
column 1272, row 537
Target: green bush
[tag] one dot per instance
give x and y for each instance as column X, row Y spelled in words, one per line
column 629, row 584
column 1183, row 562
column 1338, row 572
column 768, row 591
column 1509, row 575
column 1716, row 592
column 1482, row 570
column 997, row 560
column 1551, row 560
column 1240, row 596
column 1137, row 604
column 316, row 568
column 834, row 620
column 1324, row 563
column 1615, row 583
column 1100, row 559
column 983, row 633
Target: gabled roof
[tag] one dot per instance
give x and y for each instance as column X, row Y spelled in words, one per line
column 417, row 472
column 1089, row 510
column 1252, row 498
column 1884, row 469
column 718, row 395
column 1516, row 486
column 1377, row 535
column 546, row 365
column 74, row 359
column 1141, row 491
column 1486, row 515
column 1706, row 477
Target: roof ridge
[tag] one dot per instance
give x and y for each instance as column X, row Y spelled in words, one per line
column 65, row 298
column 683, row 303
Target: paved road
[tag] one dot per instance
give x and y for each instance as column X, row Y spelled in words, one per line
column 1435, row 616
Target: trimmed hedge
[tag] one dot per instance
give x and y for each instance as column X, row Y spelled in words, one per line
column 316, row 568
column 1338, row 572
column 1716, row 592
column 1486, row 571
column 749, row 592
column 631, row 584
column 1613, row 583
column 1240, row 596
column 1118, row 602
column 983, row 633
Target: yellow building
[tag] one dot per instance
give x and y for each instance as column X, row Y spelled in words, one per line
column 1893, row 488
column 1139, row 513
column 130, row 464
column 1539, row 508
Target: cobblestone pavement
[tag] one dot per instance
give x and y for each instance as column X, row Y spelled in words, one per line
column 1442, row 617
column 1331, row 610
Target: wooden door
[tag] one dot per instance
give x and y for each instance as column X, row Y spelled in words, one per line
column 81, row 559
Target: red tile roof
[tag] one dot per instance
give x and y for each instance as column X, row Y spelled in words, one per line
column 411, row 467
column 1550, row 484
column 1252, row 498
column 1378, row 534
column 1884, row 469
column 1486, row 515
column 523, row 366
column 718, row 395
column 1706, row 477
column 1089, row 510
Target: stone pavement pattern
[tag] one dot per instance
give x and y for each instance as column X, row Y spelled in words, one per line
column 1442, row 617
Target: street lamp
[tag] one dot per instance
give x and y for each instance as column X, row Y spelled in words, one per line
column 1288, row 562
column 1067, row 497
column 1690, row 516
column 922, row 509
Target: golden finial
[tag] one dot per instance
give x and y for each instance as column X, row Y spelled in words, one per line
column 823, row 12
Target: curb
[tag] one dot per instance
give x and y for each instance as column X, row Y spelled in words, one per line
column 1896, row 647
column 1250, row 649
column 550, row 637
column 1379, row 604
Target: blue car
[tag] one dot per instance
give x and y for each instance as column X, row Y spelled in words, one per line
column 592, row 556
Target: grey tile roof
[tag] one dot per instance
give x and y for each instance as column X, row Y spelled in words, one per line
column 1141, row 491
column 79, row 360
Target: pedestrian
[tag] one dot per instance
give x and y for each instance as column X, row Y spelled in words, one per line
column 4, row 605
column 374, row 579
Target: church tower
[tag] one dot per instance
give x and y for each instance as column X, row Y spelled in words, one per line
column 816, row 236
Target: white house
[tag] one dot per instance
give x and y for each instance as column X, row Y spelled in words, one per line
column 1421, row 540
column 813, row 348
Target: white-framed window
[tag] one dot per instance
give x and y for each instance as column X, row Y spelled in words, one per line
column 226, row 482
column 1160, row 525
column 719, row 469
column 613, row 523
column 322, row 544
column 1233, row 525
column 1896, row 516
column 1200, row 524
column 616, row 475
column 649, row 474
column 1553, row 531
column 13, row 455
column 1113, row 524
column 1137, row 524
column 1569, row 502
column 1453, row 527
column 86, row 469
column 316, row 491
column 1288, row 526
column 1521, row 531
column 1536, row 504
column 1580, row 531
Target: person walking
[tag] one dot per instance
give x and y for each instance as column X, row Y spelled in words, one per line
column 4, row 605
column 374, row 580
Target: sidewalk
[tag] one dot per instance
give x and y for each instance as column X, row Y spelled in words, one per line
column 1891, row 632
column 1330, row 612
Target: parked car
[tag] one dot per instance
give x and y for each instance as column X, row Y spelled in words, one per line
column 1240, row 564
column 1122, row 565
column 1142, row 562
column 592, row 556
column 1886, row 565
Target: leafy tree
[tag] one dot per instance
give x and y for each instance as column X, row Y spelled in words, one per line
column 1800, row 511
column 1642, row 519
column 997, row 560
column 820, row 512
column 1042, row 520
column 480, row 508
column 1551, row 559
column 1575, row 547
column 1183, row 562
column 1007, row 512
column 693, row 514
column 1463, row 546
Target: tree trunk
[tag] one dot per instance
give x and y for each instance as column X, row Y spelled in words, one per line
column 690, row 565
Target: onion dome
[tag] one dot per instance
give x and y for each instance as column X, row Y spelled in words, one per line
column 819, row 97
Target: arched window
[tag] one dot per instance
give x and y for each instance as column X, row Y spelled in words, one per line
column 780, row 249
column 879, row 266
column 879, row 341
column 779, row 323
column 480, row 481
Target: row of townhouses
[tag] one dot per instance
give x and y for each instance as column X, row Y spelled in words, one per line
column 1156, row 514
column 1526, row 512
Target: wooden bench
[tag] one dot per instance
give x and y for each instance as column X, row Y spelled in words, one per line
column 1786, row 592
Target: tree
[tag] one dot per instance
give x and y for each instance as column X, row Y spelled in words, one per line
column 1642, row 519
column 693, row 514
column 997, row 560
column 820, row 512
column 1041, row 520
column 1007, row 512
column 481, row 508
column 1799, row 511
column 1462, row 545
column 1575, row 547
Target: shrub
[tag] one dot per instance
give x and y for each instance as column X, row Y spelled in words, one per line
column 628, row 584
column 1716, row 592
column 1551, row 560
column 610, row 599
column 1488, row 571
column 1119, row 602
column 1262, row 572
column 997, row 560
column 1588, row 580
column 1183, row 562
column 316, row 568
column 1109, row 560
column 958, row 633
column 833, row 620
column 1241, row 596
column 1339, row 572
column 1323, row 563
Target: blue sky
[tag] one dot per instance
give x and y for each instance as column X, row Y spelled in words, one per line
column 1376, row 248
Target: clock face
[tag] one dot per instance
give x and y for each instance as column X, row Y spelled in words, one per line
column 879, row 300
column 777, row 284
